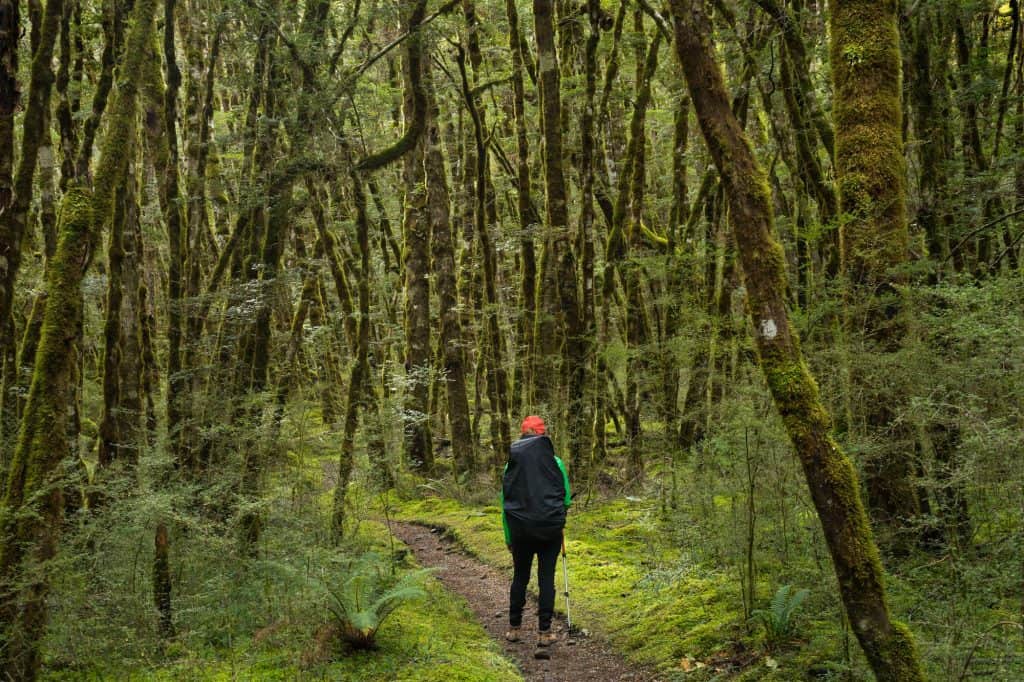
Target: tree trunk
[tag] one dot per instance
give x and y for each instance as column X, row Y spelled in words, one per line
column 360, row 366
column 14, row 210
column 162, row 580
column 419, row 449
column 528, row 222
column 830, row 475
column 10, row 97
column 35, row 479
column 583, row 412
column 452, row 343
column 497, row 378
column 871, row 175
column 566, row 311
column 166, row 161
column 8, row 399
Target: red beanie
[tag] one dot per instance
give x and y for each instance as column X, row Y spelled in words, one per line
column 535, row 424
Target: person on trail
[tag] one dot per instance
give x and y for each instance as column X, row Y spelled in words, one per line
column 534, row 498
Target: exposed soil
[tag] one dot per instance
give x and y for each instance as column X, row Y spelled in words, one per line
column 486, row 589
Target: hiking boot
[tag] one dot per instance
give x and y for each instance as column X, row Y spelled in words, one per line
column 512, row 635
column 546, row 638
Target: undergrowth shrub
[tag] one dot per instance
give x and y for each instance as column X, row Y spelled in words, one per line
column 778, row 619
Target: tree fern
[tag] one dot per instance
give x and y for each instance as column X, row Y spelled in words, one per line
column 361, row 601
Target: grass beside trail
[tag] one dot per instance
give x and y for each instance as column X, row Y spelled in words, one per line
column 654, row 604
column 435, row 641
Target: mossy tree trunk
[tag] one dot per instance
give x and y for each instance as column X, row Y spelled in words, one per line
column 529, row 220
column 485, row 203
column 932, row 106
column 113, row 43
column 871, row 175
column 453, row 347
column 122, row 405
column 163, row 139
column 497, row 377
column 8, row 399
column 10, row 99
column 360, row 365
column 419, row 449
column 68, row 103
column 583, row 431
column 979, row 240
column 674, row 278
column 830, row 475
column 14, row 209
column 33, row 505
column 1018, row 134
column 547, row 330
column 567, row 311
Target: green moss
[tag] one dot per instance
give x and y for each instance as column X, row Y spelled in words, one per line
column 119, row 140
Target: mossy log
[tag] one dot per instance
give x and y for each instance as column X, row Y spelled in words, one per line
column 888, row 644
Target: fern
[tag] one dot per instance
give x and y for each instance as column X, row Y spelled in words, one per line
column 368, row 594
column 778, row 618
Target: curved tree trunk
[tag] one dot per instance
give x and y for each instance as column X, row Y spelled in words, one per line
column 830, row 475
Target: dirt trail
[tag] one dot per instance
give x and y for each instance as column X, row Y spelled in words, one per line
column 486, row 590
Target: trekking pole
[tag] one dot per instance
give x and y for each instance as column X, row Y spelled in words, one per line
column 565, row 576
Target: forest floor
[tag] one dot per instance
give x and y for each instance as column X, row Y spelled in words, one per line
column 576, row 656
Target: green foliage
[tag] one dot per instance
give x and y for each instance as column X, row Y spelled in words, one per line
column 777, row 619
column 367, row 592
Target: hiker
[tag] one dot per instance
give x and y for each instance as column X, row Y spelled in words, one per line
column 534, row 499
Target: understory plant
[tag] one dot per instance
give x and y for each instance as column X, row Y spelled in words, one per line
column 366, row 593
column 777, row 619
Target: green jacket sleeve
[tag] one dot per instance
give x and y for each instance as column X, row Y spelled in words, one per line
column 504, row 521
column 565, row 477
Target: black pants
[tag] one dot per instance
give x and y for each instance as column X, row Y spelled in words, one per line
column 524, row 546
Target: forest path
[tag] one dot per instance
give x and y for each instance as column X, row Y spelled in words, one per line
column 486, row 590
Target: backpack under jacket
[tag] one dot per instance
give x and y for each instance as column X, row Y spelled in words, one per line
column 535, row 488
